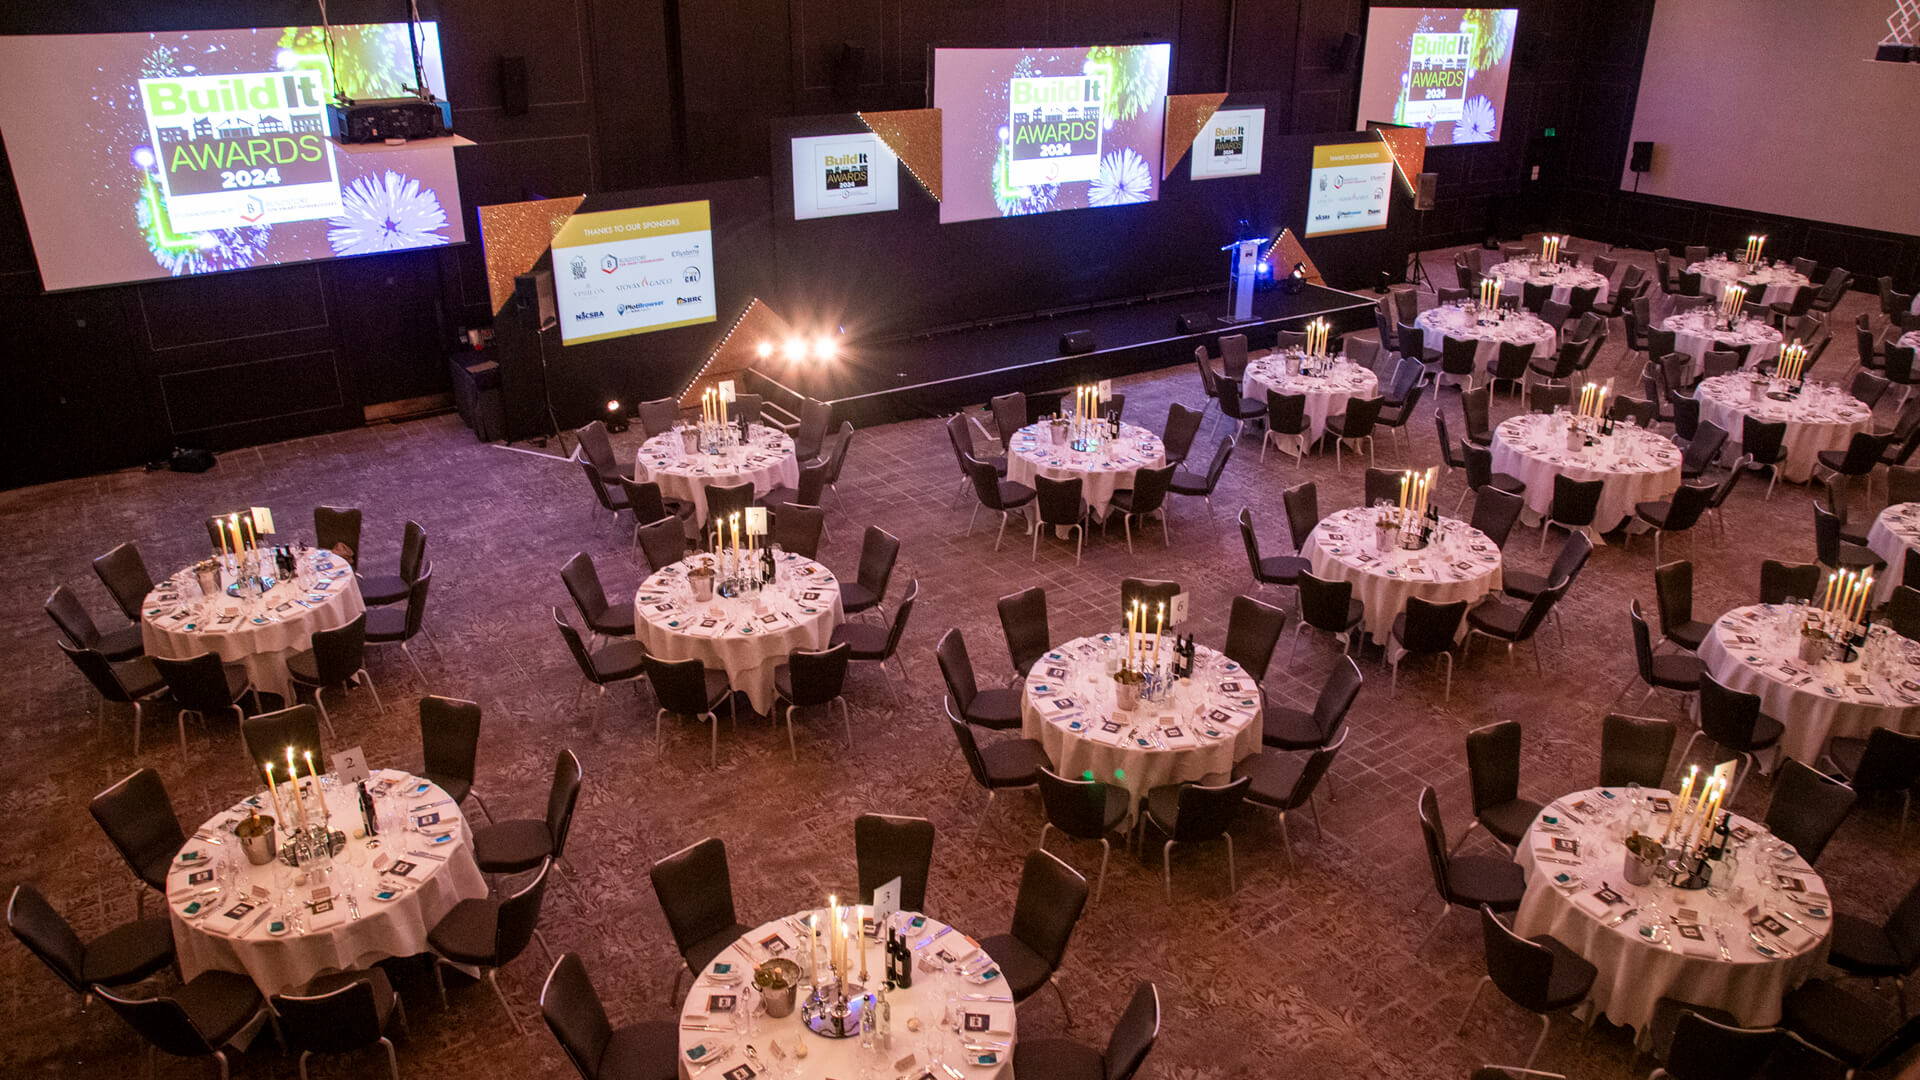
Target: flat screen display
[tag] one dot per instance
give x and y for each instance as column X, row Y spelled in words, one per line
column 1350, row 188
column 1443, row 69
column 1026, row 131
column 834, row 175
column 618, row 272
column 142, row 156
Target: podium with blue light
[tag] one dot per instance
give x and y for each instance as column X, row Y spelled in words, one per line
column 1245, row 268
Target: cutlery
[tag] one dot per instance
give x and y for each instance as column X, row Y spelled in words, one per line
column 353, row 907
column 427, row 855
column 1789, row 917
column 703, row 1027
column 715, row 1060
column 1767, row 948
column 936, row 936
column 984, row 997
column 1724, row 953
column 1622, row 917
column 257, row 920
column 953, row 1072
column 1558, row 859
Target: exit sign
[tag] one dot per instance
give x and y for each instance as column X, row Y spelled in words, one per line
column 1551, row 132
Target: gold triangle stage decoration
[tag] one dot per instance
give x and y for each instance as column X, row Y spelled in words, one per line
column 1408, row 145
column 1186, row 115
column 738, row 349
column 513, row 236
column 914, row 136
column 1290, row 252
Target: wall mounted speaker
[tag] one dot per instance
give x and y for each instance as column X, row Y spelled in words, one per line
column 535, row 292
column 1075, row 342
column 1426, row 187
column 513, row 85
column 1642, row 160
column 1344, row 52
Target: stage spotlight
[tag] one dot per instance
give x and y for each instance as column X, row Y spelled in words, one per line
column 823, row 347
column 765, row 349
column 616, row 418
column 1296, row 279
column 796, row 349
column 1266, row 268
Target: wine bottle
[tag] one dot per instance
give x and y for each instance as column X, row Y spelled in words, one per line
column 368, row 814
column 766, row 563
column 905, row 977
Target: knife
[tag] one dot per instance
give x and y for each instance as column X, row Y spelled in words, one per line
column 1622, row 917
column 1789, row 917
column 257, row 920
column 937, row 935
column 984, row 997
column 426, row 855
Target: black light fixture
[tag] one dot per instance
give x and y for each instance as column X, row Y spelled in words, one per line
column 1295, row 279
column 616, row 416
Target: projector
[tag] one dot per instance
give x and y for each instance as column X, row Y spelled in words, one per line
column 379, row 119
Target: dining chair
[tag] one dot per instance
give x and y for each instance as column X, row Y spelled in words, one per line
column 1023, row 620
column 796, row 530
column 73, row 619
column 1541, row 974
column 590, row 598
column 124, row 573
column 1426, row 629
column 1837, row 553
column 1402, row 398
column 1176, row 437
column 997, row 494
column 616, row 660
column 1703, row 1048
column 517, row 845
column 1201, row 485
column 1862, row 454
column 1327, row 606
column 1495, row 512
column 1467, row 881
column 1458, row 359
column 1380, row 485
column 1885, row 761
column 1673, row 600
column 1509, row 364
column 1354, row 425
column 1807, row 808
column 1287, row 728
column 378, row 589
column 1269, row 569
column 1779, row 580
column 695, row 890
column 337, row 659
column 997, row 709
column 596, row 448
column 689, row 688
column 813, row 677
column 1052, row 895
column 726, row 500
column 809, row 490
column 1302, row 503
column 1511, row 624
column 337, row 529
column 1481, row 477
column 663, row 542
column 1668, row 671
column 138, row 818
column 1634, row 750
column 339, row 1013
column 1525, row 585
column 1000, row 765
column 1575, row 505
column 1082, row 808
column 1476, row 411
column 1149, row 593
column 888, row 847
column 1703, row 449
column 1883, row 950
column 489, row 933
column 1253, row 629
column 835, row 456
column 960, row 431
column 1493, row 776
column 197, row 1019
column 598, row 1051
column 658, row 416
column 387, row 626
column 1283, row 782
column 1859, row 1032
column 1062, row 507
column 1233, row 354
column 136, row 682
column 1545, row 398
column 127, row 953
column 878, row 643
column 816, row 419
column 1009, row 415
column 1132, row 1038
column 450, row 747
column 1189, row 814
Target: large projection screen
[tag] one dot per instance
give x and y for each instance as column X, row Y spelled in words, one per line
column 1442, row 69
column 1025, row 131
column 142, row 156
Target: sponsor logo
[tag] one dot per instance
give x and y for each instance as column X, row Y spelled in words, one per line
column 1323, row 183
column 579, row 267
column 687, row 253
column 610, row 263
column 580, row 316
column 643, row 305
column 1373, row 213
column 1321, row 217
column 690, row 275
column 1342, row 215
column 689, row 299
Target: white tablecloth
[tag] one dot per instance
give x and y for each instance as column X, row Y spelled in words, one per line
column 1456, row 322
column 1780, row 282
column 1895, row 533
column 767, row 461
column 1754, row 650
column 1635, row 970
column 1462, row 564
column 1102, row 471
column 1636, row 465
column 177, row 622
column 1564, row 279
column 1696, row 333
column 1327, row 394
column 747, row 637
column 1198, row 734
column 442, row 876
column 925, row 1001
column 1820, row 418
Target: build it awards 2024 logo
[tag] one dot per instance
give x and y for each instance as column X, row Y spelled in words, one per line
column 247, row 149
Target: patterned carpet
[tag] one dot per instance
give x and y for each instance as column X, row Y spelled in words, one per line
column 1309, row 973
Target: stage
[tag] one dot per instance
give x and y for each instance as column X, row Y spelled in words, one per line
column 937, row 373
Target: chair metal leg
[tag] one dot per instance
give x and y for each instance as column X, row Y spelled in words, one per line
column 180, row 718
column 792, row 751
column 221, row 1057
column 1546, row 1027
column 1233, row 881
column 1166, row 869
column 1100, row 881
column 1054, row 980
column 1471, row 1000
column 374, row 690
column 1286, row 841
column 713, row 725
column 138, row 715
column 393, row 1061
column 304, row 1055
column 846, row 714
column 544, row 947
column 415, row 662
column 319, row 703
column 1445, row 910
column 504, row 1003
column 1471, row 825
column 440, row 980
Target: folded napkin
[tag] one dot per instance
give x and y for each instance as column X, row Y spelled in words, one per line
column 232, row 920
column 1177, row 737
column 1602, row 904
column 984, row 1019
column 1692, row 939
column 1779, row 928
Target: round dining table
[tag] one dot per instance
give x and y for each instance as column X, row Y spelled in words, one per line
column 956, row 1018
column 1327, row 392
column 1196, row 732
column 747, row 636
column 179, row 621
column 1756, row 649
column 1656, row 941
column 1895, row 534
column 1821, row 416
column 1634, row 465
column 1698, row 332
column 378, row 897
column 1459, row 563
column 1564, row 279
column 1451, row 320
column 766, row 460
column 1104, row 468
column 1780, row 281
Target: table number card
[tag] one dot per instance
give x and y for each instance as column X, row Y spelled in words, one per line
column 262, row 519
column 1177, row 610
column 351, row 765
column 756, row 521
column 886, row 900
